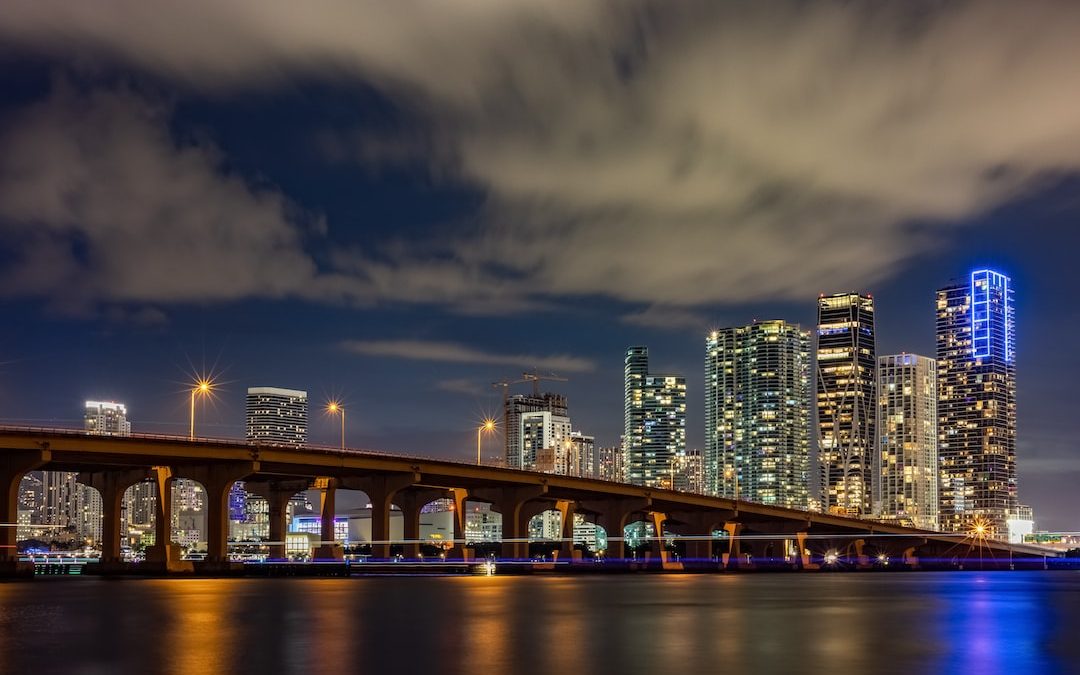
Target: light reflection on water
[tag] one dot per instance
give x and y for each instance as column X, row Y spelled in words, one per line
column 994, row 622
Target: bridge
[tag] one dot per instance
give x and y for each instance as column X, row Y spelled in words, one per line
column 755, row 535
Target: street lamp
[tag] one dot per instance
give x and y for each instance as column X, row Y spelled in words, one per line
column 335, row 408
column 488, row 426
column 202, row 387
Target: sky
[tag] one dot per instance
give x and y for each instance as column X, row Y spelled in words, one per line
column 399, row 203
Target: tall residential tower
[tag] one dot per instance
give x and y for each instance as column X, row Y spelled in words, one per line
column 846, row 405
column 976, row 354
column 757, row 406
column 907, row 441
column 654, row 421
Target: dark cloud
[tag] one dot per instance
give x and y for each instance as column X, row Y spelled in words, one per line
column 706, row 153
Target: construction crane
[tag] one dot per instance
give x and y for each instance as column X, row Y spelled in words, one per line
column 535, row 378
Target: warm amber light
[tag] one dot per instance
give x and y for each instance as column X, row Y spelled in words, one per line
column 203, row 386
column 333, row 407
column 489, row 425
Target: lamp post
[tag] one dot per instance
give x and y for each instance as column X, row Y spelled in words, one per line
column 335, row 408
column 202, row 387
column 488, row 426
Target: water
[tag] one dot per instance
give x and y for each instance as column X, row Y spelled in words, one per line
column 959, row 622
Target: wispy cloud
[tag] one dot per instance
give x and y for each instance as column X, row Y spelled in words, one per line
column 463, row 385
column 450, row 352
column 665, row 317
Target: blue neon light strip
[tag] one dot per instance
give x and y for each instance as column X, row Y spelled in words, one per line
column 985, row 285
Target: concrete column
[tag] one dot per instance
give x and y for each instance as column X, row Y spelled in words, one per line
column 278, row 508
column 657, row 552
column 510, row 502
column 218, row 480
column 411, row 502
column 567, row 509
column 277, row 494
column 380, row 490
column 13, row 466
column 802, row 557
column 733, row 558
column 459, row 551
column 613, row 515
column 111, row 485
column 164, row 552
column 328, row 549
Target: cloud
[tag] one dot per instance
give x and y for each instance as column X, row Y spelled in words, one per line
column 463, row 385
column 450, row 352
column 675, row 154
column 665, row 317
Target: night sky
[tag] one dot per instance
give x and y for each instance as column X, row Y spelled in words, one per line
column 399, row 203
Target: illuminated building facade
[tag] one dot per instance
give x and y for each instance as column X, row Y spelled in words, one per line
column 106, row 418
column 757, row 407
column 544, row 442
column 846, row 404
column 276, row 415
column 976, row 354
column 907, row 441
column 517, row 453
column 609, row 464
column 654, row 420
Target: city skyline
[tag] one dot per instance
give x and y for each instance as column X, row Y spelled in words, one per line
column 324, row 213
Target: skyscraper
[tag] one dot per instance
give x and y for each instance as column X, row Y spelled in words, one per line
column 757, row 405
column 106, row 418
column 846, row 405
column 513, row 409
column 976, row 354
column 654, row 420
column 544, row 442
column 907, row 441
column 277, row 415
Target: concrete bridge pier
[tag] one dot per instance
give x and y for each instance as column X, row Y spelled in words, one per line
column 329, row 549
column 614, row 515
column 733, row 559
column 111, row 485
column 459, row 550
column 381, row 490
column 411, row 501
column 510, row 503
column 13, row 466
column 217, row 480
column 164, row 555
column 277, row 494
column 567, row 510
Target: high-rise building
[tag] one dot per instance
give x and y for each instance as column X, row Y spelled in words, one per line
column 907, row 441
column 276, row 415
column 544, row 442
column 688, row 472
column 609, row 464
column 654, row 420
column 757, row 406
column 846, row 405
column 106, row 418
column 582, row 455
column 976, row 355
column 514, row 408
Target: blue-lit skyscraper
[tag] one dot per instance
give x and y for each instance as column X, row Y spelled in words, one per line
column 976, row 353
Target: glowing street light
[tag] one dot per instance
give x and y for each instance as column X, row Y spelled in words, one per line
column 488, row 426
column 335, row 408
column 202, row 387
column 730, row 473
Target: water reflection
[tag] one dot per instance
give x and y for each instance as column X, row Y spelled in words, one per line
column 1005, row 622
